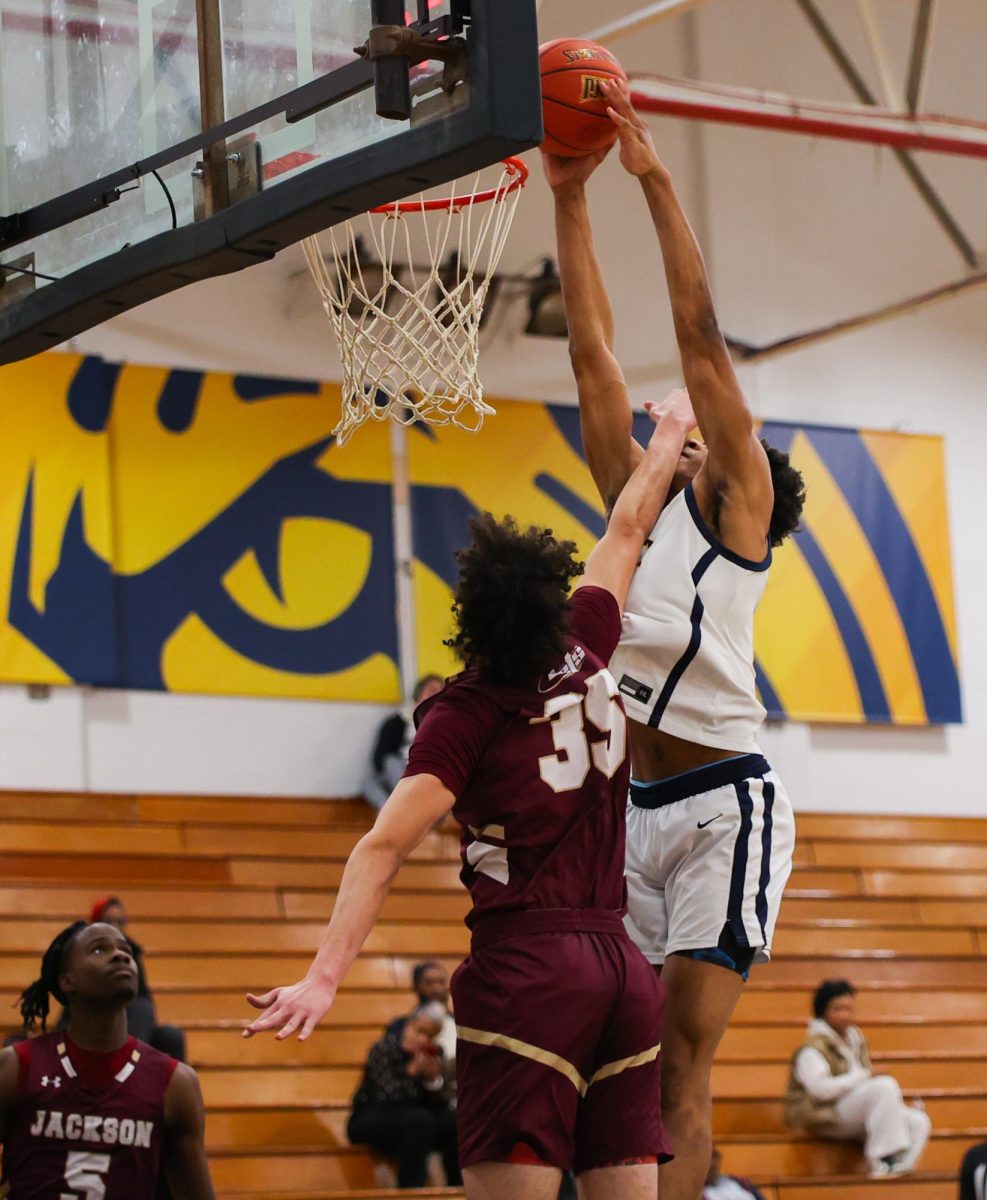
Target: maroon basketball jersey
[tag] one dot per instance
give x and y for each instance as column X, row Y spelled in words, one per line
column 540, row 774
column 70, row 1140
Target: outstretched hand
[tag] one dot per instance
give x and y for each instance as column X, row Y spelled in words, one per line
column 675, row 409
column 638, row 155
column 562, row 172
column 298, row 1008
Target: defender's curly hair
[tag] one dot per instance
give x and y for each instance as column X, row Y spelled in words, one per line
column 35, row 1003
column 789, row 489
column 511, row 603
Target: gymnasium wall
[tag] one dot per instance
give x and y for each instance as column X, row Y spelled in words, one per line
column 144, row 741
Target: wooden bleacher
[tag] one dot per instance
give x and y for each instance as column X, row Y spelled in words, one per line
column 231, row 894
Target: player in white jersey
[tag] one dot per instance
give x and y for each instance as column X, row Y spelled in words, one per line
column 710, row 828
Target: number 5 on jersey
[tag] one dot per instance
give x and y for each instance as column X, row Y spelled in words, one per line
column 567, row 768
column 83, row 1171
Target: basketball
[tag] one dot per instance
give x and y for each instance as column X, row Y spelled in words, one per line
column 573, row 103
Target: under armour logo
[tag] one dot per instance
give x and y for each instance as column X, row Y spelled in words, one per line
column 573, row 662
column 53, row 1081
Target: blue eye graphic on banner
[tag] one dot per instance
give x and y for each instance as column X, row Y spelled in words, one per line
column 182, row 531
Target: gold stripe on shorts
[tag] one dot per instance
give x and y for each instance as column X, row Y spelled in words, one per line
column 482, row 1037
column 625, row 1064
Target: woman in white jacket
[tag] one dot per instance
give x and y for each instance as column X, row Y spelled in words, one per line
column 833, row 1094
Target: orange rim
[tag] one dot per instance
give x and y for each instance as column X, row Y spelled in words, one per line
column 516, row 169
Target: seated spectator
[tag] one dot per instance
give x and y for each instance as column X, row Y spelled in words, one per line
column 142, row 1018
column 973, row 1174
column 431, row 984
column 400, row 1109
column 833, row 1094
column 390, row 755
column 726, row 1187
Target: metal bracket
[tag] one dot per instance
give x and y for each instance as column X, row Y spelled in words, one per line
column 242, row 170
column 401, row 41
column 16, row 284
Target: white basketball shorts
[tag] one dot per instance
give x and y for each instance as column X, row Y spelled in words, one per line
column 708, row 854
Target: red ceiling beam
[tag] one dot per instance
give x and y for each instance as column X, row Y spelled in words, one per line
column 876, row 127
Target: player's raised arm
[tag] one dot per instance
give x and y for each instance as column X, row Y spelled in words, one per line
column 604, row 408
column 737, row 462
column 414, row 807
column 613, row 560
column 185, row 1164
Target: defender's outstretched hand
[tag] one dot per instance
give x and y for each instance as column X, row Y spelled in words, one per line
column 637, row 149
column 676, row 406
column 562, row 172
column 297, row 1008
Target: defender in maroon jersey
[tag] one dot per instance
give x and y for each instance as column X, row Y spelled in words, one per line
column 558, row 1014
column 86, row 1112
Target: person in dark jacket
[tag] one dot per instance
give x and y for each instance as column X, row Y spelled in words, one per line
column 142, row 1017
column 400, row 1108
column 973, row 1174
column 390, row 755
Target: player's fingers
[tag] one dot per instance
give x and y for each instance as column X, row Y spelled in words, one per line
column 618, row 95
column 273, row 1017
column 292, row 1024
column 264, row 1001
column 620, row 121
column 308, row 1028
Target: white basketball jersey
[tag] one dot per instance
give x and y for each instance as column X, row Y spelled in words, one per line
column 685, row 663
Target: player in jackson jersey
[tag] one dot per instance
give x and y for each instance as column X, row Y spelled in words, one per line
column 558, row 1014
column 86, row 1112
column 710, row 830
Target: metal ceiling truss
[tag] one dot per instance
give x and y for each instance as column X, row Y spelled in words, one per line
column 897, row 138
column 642, row 18
column 746, row 353
column 894, row 126
column 918, row 63
column 919, row 180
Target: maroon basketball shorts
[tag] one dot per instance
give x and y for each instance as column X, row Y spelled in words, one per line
column 559, row 1019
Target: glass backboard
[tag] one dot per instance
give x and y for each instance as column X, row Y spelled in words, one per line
column 94, row 92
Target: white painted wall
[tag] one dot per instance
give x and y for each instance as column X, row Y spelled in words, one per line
column 82, row 739
column 797, row 233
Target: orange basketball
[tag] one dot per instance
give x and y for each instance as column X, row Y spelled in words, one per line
column 576, row 120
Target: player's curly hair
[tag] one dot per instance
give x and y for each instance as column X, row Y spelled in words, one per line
column 35, row 1003
column 511, row 603
column 789, row 489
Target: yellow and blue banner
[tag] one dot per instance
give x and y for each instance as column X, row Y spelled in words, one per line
column 194, row 532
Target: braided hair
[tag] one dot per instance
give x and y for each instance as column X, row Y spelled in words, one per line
column 35, row 1004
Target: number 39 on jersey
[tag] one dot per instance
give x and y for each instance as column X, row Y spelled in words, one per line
column 571, row 717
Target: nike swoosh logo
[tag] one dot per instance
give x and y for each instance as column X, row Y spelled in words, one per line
column 703, row 824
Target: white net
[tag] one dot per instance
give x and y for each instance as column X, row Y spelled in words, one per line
column 404, row 289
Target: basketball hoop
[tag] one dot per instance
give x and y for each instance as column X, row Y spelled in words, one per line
column 408, row 334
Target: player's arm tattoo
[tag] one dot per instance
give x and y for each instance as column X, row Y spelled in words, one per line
column 724, row 418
